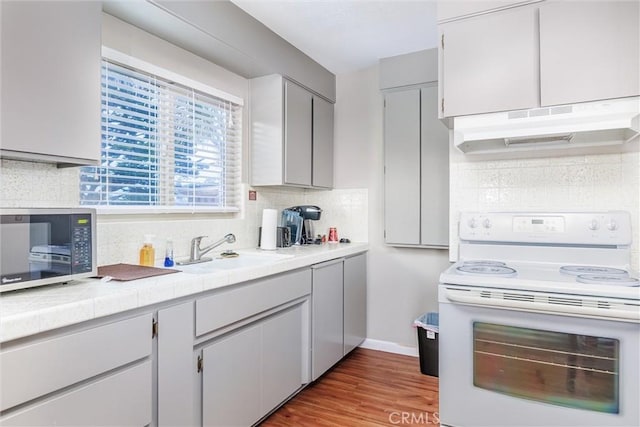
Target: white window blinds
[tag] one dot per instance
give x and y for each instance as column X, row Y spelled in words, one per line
column 163, row 145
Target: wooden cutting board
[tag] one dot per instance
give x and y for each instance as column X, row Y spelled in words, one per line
column 125, row 272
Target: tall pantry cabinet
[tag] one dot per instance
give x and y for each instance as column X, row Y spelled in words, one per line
column 416, row 155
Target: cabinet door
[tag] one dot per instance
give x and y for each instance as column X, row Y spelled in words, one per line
column 281, row 357
column 489, row 63
column 231, row 380
column 402, row 167
column 434, row 178
column 120, row 399
column 355, row 301
column 51, row 80
column 298, row 134
column 589, row 50
column 175, row 374
column 43, row 367
column 322, row 143
column 327, row 346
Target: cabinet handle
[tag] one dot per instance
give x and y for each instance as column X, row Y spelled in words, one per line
column 442, row 105
column 442, row 41
column 200, row 364
column 154, row 328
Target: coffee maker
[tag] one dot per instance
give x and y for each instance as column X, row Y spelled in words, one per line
column 308, row 213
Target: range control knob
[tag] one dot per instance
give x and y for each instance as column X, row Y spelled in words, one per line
column 594, row 225
column 486, row 223
column 472, row 223
column 612, row 225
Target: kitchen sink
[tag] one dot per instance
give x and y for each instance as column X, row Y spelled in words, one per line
column 243, row 260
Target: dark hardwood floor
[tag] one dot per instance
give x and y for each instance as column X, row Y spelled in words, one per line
column 367, row 388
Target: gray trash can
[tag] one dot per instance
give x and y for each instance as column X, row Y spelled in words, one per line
column 427, row 326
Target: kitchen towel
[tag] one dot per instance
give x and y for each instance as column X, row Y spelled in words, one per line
column 269, row 228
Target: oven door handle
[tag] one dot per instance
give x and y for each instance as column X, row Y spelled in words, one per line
column 463, row 297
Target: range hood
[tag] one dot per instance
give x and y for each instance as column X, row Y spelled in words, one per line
column 608, row 122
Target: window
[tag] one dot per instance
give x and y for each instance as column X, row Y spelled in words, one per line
column 164, row 145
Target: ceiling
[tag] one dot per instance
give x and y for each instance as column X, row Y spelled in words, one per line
column 349, row 35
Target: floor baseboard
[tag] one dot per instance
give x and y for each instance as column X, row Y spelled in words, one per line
column 389, row 347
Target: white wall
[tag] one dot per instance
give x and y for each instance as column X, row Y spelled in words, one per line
column 402, row 282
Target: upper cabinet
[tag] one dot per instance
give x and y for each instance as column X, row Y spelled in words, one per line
column 589, row 50
column 489, row 63
column 291, row 135
column 416, row 154
column 50, row 68
column 539, row 54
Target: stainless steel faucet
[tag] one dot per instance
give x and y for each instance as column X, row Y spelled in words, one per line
column 196, row 253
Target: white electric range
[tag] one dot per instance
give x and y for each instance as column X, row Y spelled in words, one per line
column 540, row 322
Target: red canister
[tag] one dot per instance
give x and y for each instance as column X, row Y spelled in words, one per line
column 333, row 234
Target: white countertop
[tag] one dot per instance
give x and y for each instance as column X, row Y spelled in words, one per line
column 29, row 311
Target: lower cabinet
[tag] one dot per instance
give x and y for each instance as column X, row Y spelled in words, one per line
column 226, row 358
column 231, row 379
column 251, row 371
column 339, row 311
column 327, row 343
column 101, row 375
column 176, row 395
column 355, row 301
column 121, row 399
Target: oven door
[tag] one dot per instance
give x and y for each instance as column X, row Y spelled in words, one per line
column 502, row 367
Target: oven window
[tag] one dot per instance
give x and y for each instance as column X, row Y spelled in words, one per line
column 577, row 371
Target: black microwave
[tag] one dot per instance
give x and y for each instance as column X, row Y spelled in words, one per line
column 46, row 246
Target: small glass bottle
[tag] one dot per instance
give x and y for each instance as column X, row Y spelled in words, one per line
column 168, row 254
column 147, row 252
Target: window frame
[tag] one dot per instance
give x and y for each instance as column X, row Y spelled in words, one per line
column 125, row 60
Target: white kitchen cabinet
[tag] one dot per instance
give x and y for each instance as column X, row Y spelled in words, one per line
column 50, row 79
column 120, row 399
column 174, row 363
column 355, row 301
column 327, row 343
column 589, row 50
column 291, row 135
column 255, row 347
column 539, row 54
column 282, row 356
column 489, row 63
column 322, row 168
column 251, row 371
column 94, row 376
column 231, row 380
column 298, row 148
column 402, row 167
column 416, row 156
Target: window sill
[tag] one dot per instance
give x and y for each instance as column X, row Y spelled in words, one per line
column 148, row 210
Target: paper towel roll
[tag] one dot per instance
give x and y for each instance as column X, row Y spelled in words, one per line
column 269, row 229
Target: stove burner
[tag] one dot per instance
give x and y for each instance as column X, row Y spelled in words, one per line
column 484, row 269
column 484, row 262
column 577, row 270
column 618, row 280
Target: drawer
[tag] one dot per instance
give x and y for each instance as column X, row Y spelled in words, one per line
column 237, row 303
column 121, row 399
column 36, row 369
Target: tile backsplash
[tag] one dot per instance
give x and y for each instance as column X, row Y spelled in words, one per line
column 573, row 183
column 26, row 184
